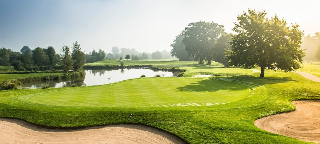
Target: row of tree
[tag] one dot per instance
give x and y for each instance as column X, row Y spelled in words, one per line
column 95, row 56
column 43, row 57
column 29, row 59
column 135, row 55
column 258, row 41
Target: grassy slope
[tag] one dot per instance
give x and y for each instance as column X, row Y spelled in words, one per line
column 15, row 76
column 313, row 68
column 224, row 123
column 6, row 68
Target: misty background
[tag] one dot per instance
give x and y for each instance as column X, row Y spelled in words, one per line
column 142, row 25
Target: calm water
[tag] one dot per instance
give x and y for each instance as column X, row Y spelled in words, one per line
column 100, row 77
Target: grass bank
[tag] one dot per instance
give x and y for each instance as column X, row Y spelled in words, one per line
column 199, row 110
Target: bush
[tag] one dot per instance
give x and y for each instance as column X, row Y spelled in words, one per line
column 157, row 75
column 122, row 63
column 181, row 74
column 8, row 85
column 45, row 87
column 143, row 76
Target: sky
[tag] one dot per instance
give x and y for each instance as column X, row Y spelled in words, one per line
column 146, row 25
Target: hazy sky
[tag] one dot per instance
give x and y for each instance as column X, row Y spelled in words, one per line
column 146, row 25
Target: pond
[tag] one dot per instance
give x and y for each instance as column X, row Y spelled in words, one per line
column 100, row 77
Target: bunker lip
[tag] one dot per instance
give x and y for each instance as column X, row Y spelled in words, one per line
column 303, row 123
column 20, row 131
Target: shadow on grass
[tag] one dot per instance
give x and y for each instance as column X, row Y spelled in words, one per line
column 214, row 84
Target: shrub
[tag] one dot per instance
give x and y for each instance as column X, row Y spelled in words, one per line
column 45, row 87
column 143, row 76
column 157, row 75
column 181, row 74
column 8, row 85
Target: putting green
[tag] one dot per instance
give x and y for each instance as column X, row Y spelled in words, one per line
column 145, row 92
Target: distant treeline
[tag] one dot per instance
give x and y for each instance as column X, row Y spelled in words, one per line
column 121, row 53
column 43, row 58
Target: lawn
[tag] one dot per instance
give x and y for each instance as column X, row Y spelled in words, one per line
column 313, row 68
column 6, row 68
column 221, row 109
column 4, row 77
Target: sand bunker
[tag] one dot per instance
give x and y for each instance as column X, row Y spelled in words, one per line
column 18, row 131
column 303, row 123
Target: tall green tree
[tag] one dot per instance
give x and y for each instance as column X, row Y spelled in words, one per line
column 156, row 55
column 199, row 39
column 52, row 61
column 268, row 43
column 127, row 57
column 25, row 49
column 4, row 57
column 40, row 58
column 78, row 57
column 318, row 53
column 144, row 56
column 179, row 49
column 66, row 62
column 220, row 48
column 27, row 60
column 310, row 44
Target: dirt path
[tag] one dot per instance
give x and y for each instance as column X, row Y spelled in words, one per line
column 18, row 131
column 309, row 76
column 303, row 123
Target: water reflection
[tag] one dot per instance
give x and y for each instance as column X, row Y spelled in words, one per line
column 100, row 77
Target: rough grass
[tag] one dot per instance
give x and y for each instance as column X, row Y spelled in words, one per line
column 250, row 98
column 313, row 68
column 6, row 68
column 15, row 76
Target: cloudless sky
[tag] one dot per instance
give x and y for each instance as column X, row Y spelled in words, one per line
column 146, row 25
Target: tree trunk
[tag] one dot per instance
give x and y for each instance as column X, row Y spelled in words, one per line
column 209, row 62
column 201, row 61
column 262, row 72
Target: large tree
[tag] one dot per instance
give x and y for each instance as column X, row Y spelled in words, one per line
column 78, row 57
column 265, row 42
column 156, row 55
column 317, row 55
column 66, row 62
column 52, row 56
column 40, row 58
column 220, row 48
column 27, row 60
column 4, row 57
column 310, row 44
column 179, row 49
column 199, row 39
column 24, row 49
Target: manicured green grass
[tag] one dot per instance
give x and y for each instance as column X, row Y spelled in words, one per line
column 313, row 68
column 15, row 76
column 146, row 92
column 6, row 68
column 239, row 97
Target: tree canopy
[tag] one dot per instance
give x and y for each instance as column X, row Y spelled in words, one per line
column 318, row 53
column 179, row 49
column 268, row 43
column 66, row 62
column 40, row 58
column 200, row 37
column 78, row 57
column 156, row 55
